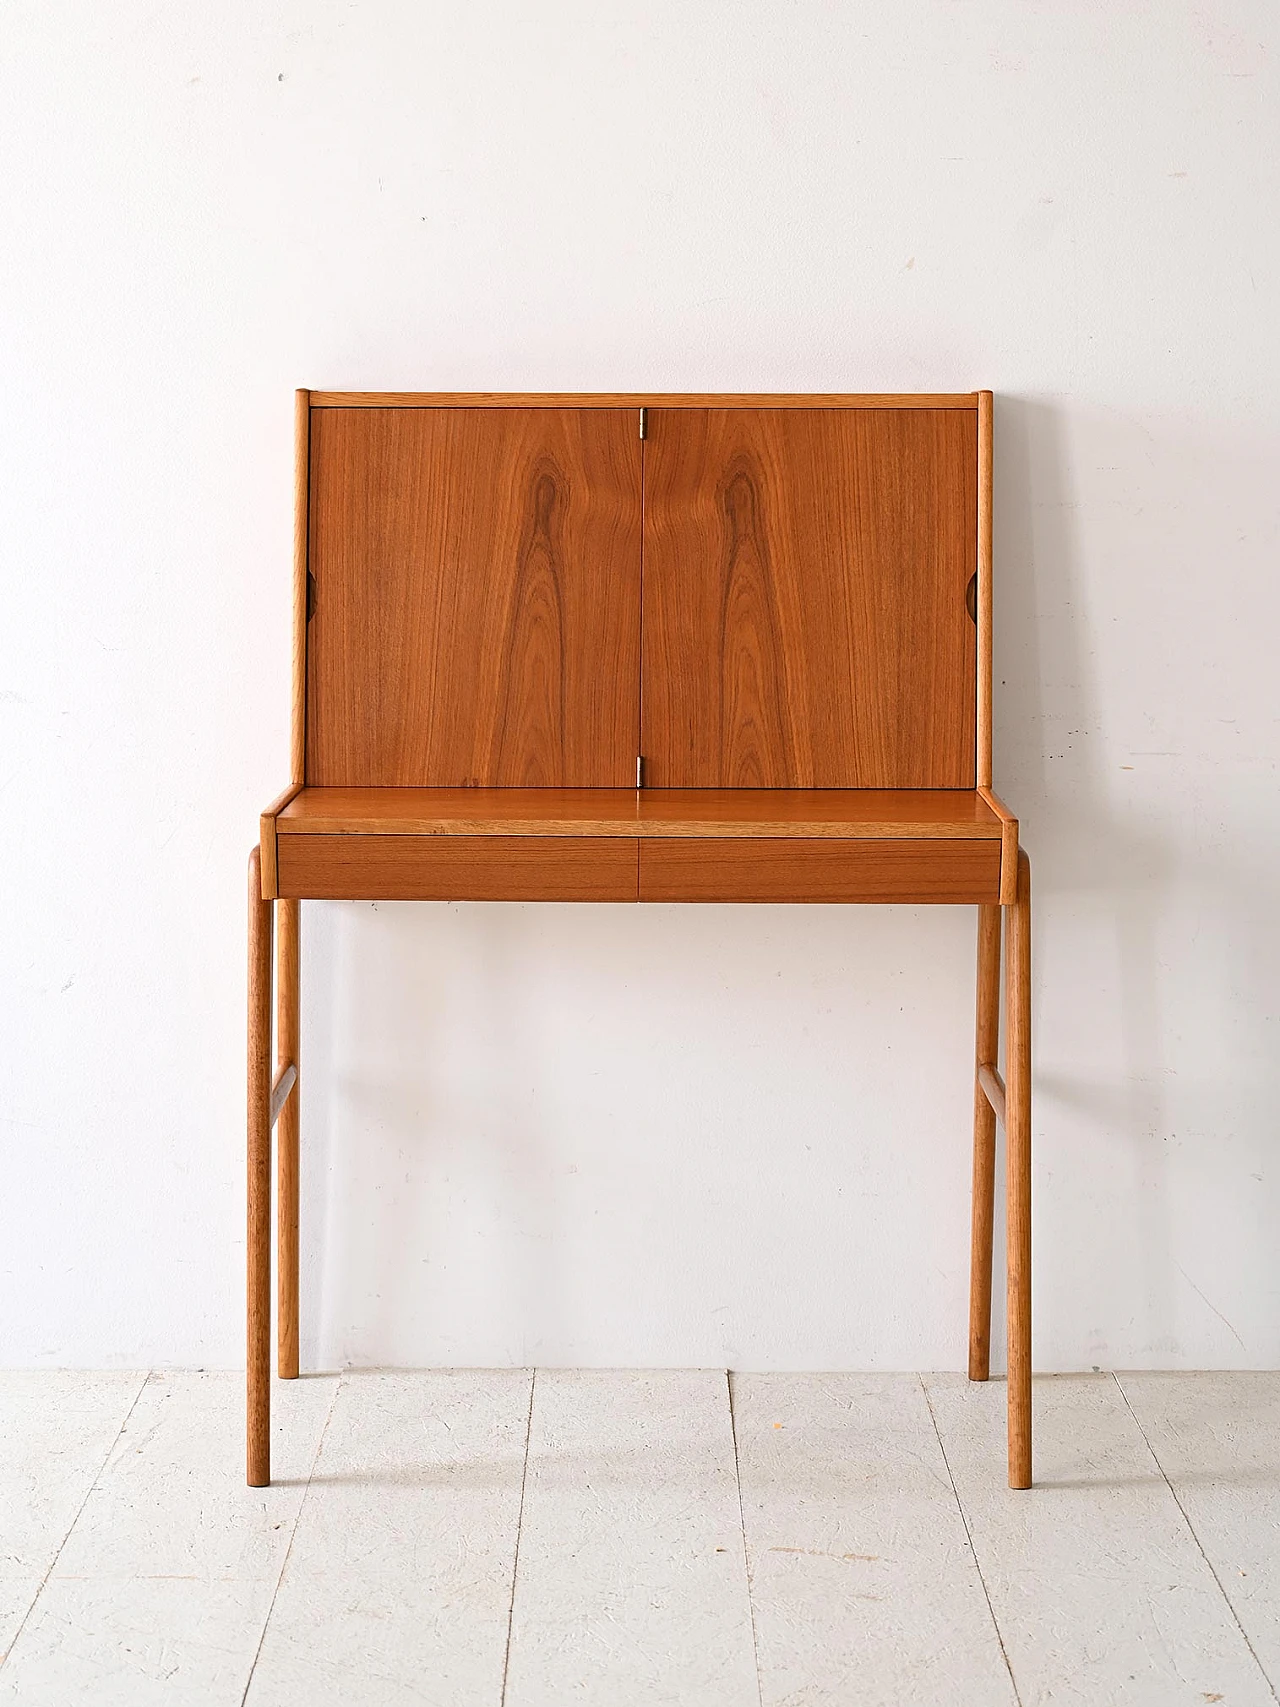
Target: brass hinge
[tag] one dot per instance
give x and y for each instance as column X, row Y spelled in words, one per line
column 644, row 423
column 639, row 770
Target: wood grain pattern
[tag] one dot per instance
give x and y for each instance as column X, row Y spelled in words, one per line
column 258, row 1230
column 642, row 400
column 301, row 500
column 908, row 813
column 1008, row 846
column 267, row 839
column 477, row 597
column 457, row 868
column 986, row 1041
column 1017, row 1134
column 805, row 579
column 809, row 871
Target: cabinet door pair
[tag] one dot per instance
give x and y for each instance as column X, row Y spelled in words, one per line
column 535, row 596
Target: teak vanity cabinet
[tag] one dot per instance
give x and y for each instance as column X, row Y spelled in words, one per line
column 642, row 648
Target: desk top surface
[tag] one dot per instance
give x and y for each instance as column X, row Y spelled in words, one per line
column 959, row 814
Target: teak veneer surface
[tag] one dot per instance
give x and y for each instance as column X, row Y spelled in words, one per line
column 1009, row 846
column 476, row 597
column 618, row 868
column 806, row 575
column 808, row 870
column 457, row 868
column 918, row 814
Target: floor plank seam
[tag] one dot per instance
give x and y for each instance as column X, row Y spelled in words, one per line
column 1191, row 1528
column 742, row 1524
column 964, row 1518
column 515, row 1562
column 297, row 1518
column 97, row 1477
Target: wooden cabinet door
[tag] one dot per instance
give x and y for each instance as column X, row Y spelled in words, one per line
column 805, row 580
column 476, row 598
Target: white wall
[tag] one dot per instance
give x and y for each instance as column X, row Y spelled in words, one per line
column 606, row 1135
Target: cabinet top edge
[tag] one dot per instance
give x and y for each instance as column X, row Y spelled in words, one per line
column 640, row 400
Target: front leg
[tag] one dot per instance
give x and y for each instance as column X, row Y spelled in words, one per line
column 1018, row 1173
column 288, row 949
column 258, row 1287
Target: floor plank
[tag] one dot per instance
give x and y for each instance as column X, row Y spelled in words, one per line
column 1097, row 1583
column 56, row 1429
column 1217, row 1438
column 398, row 1585
column 390, row 1578
column 137, row 1642
column 631, row 1585
column 17, row 1597
column 863, row 1583
column 162, row 1588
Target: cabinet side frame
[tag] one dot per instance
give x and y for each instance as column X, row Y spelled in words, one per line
column 301, row 509
column 984, row 601
column 298, row 688
column 985, row 663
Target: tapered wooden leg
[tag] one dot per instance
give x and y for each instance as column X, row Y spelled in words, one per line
column 1018, row 1173
column 258, row 1289
column 984, row 1145
column 287, row 1028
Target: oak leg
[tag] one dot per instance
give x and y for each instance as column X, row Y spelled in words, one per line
column 287, row 1028
column 984, row 1145
column 1018, row 1174
column 258, row 1288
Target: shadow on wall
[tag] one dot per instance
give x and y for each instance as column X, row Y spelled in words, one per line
column 692, row 1135
column 461, row 1141
column 1157, row 900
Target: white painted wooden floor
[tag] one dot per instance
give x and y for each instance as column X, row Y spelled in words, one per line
column 467, row 1539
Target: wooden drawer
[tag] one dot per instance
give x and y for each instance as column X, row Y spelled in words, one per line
column 457, row 868
column 795, row 869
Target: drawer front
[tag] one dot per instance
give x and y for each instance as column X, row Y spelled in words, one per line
column 457, row 868
column 799, row 869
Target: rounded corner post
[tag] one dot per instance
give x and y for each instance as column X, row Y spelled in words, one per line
column 1018, row 1173
column 258, row 1229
